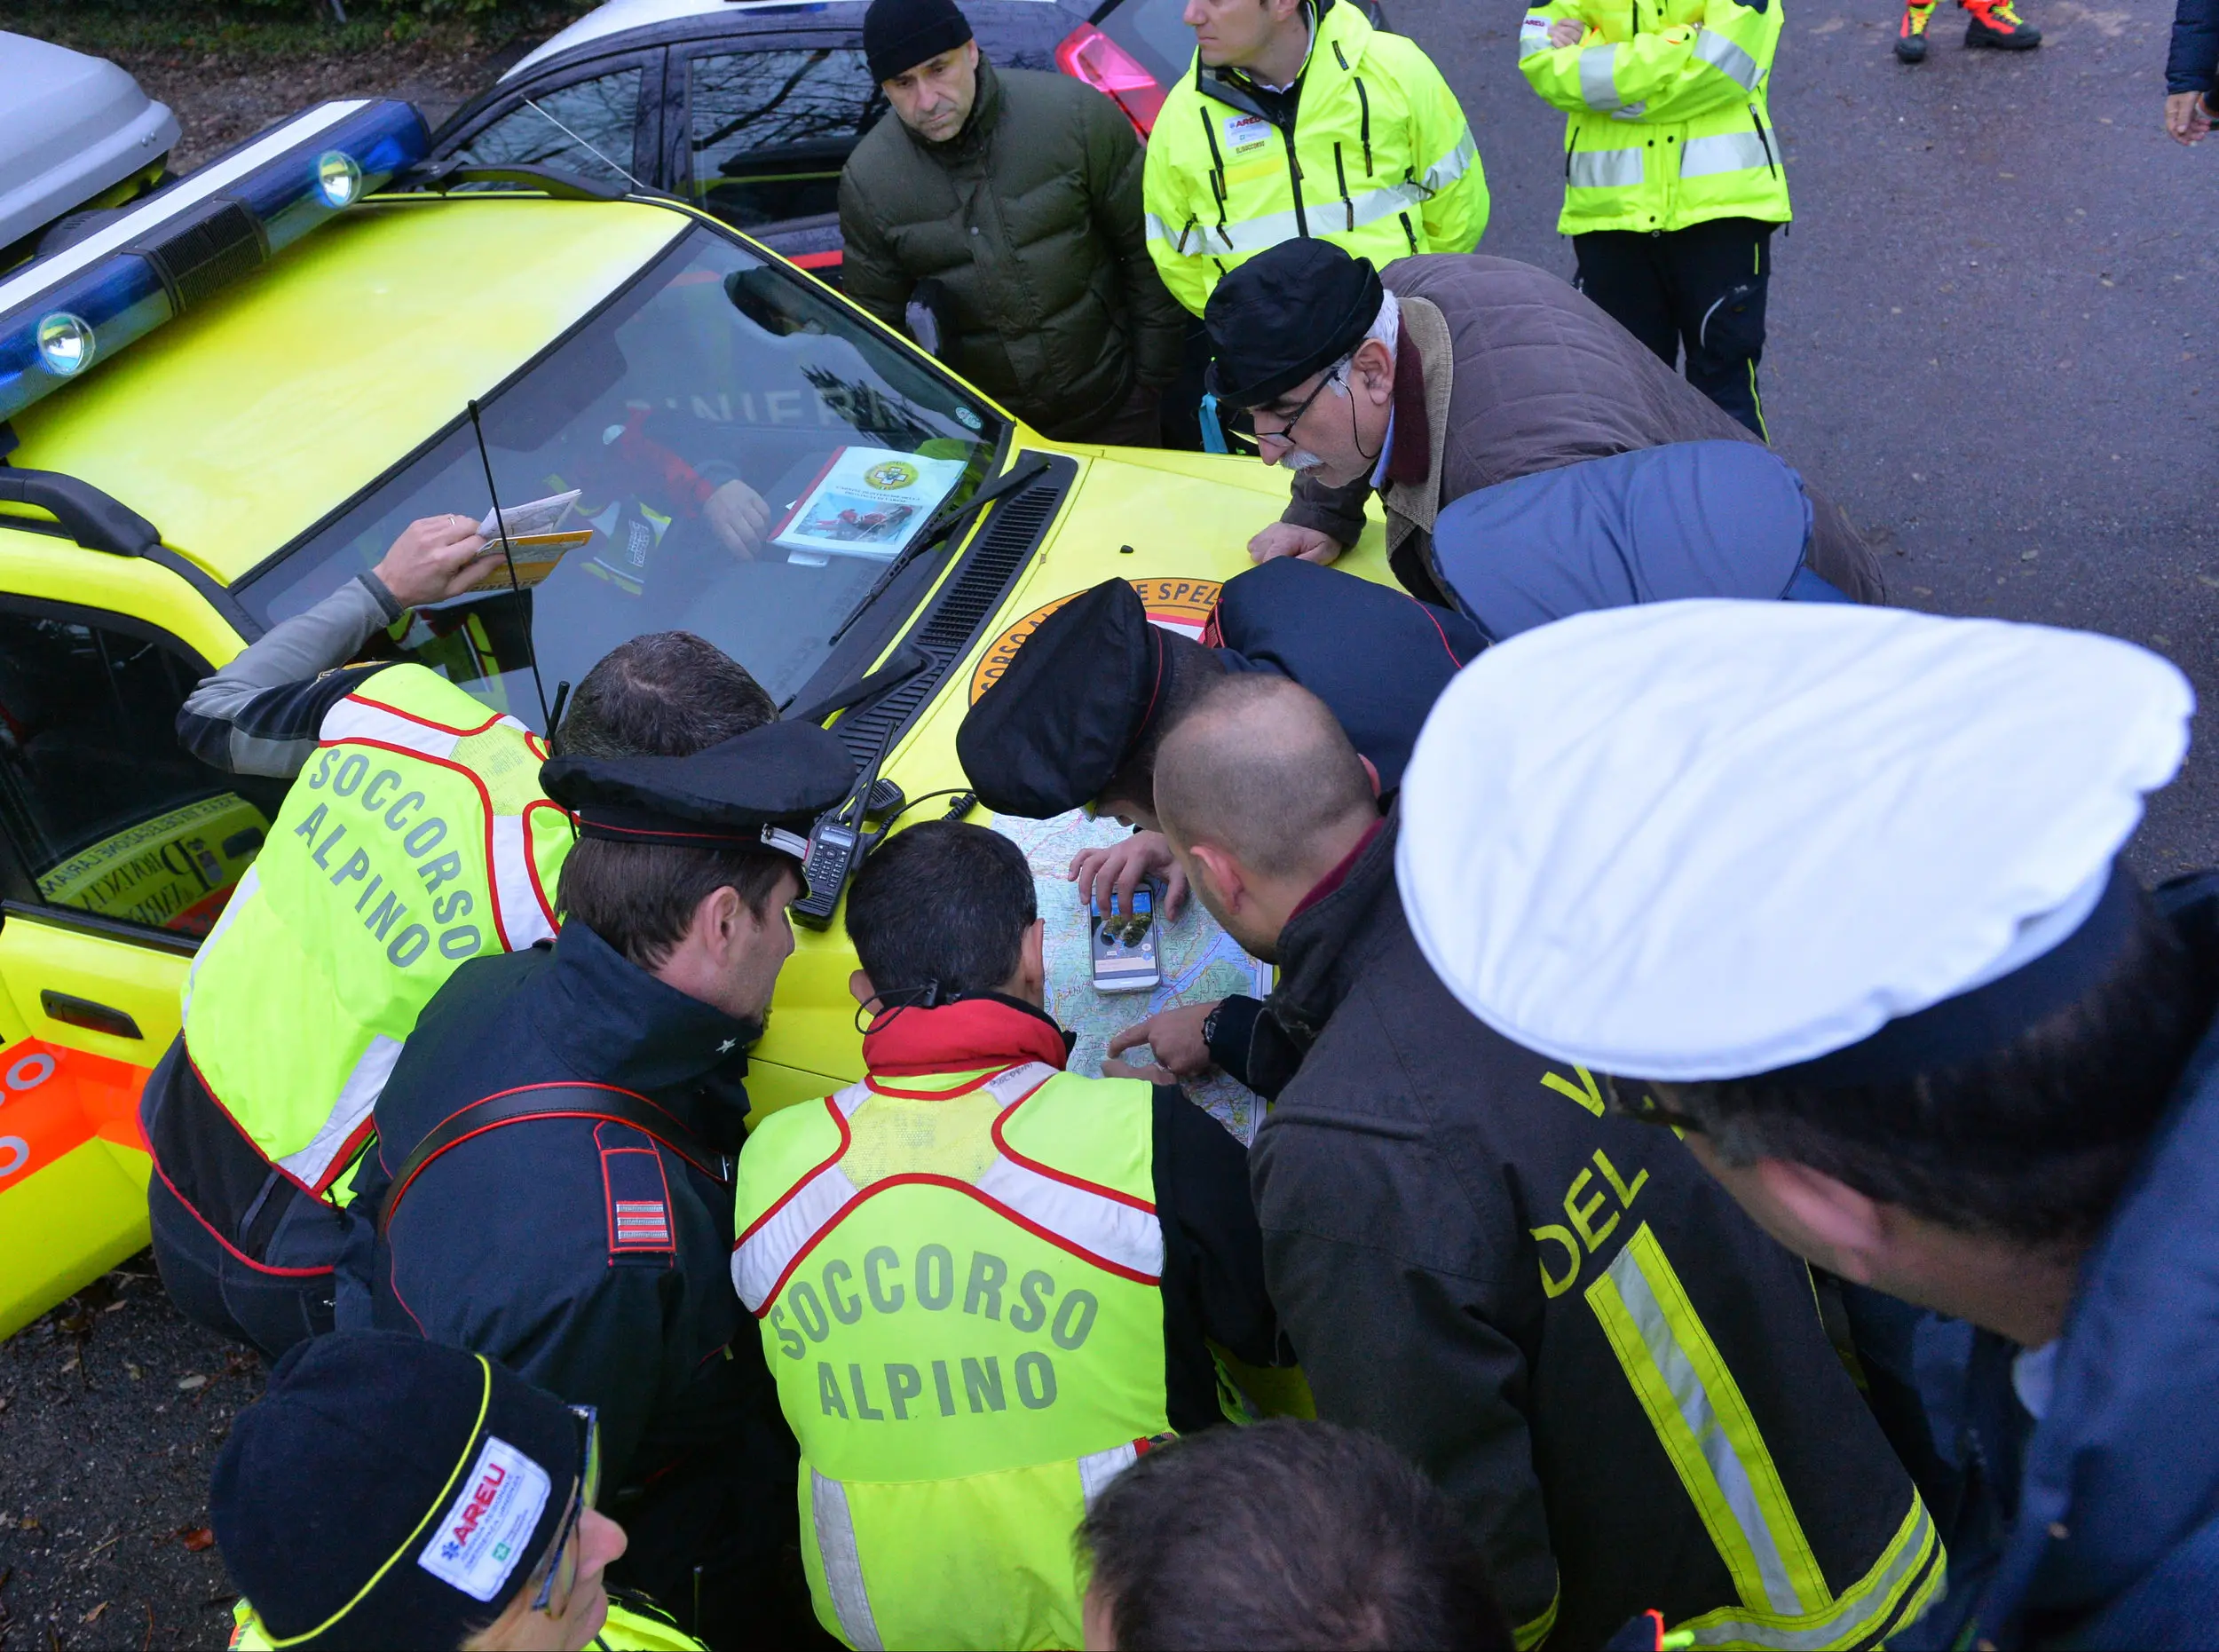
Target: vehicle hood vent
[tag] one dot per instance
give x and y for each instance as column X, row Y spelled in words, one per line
column 205, row 251
column 1014, row 528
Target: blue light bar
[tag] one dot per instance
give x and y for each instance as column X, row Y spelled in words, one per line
column 65, row 313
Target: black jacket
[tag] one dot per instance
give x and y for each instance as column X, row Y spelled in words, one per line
column 509, row 1244
column 1030, row 218
column 1471, row 1254
column 2194, row 62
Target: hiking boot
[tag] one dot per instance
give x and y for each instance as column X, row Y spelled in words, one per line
column 1996, row 23
column 1910, row 39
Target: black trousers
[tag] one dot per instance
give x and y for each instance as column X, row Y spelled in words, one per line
column 1702, row 288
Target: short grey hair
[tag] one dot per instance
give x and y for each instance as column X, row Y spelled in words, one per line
column 1386, row 328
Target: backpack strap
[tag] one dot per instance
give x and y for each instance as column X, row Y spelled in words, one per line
column 601, row 1101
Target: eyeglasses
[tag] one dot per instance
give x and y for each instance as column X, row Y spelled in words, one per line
column 562, row 1569
column 1285, row 432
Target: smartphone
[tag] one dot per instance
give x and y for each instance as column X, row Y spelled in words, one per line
column 1123, row 945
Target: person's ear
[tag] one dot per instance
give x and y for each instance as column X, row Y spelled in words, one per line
column 970, row 54
column 1032, row 960
column 716, row 922
column 1374, row 368
column 1851, row 1225
column 1371, row 769
column 1222, row 873
column 860, row 989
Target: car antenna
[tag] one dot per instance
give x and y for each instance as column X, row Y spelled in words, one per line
column 500, row 526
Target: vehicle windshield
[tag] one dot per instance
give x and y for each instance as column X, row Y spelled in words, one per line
column 748, row 457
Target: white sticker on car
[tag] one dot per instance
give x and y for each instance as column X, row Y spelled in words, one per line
column 490, row 1524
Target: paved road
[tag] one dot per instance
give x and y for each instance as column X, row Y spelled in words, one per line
column 1987, row 339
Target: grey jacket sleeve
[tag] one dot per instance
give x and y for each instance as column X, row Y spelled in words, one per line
column 1337, row 512
column 1379, row 1272
column 261, row 714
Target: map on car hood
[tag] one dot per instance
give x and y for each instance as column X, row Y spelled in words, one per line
column 1199, row 962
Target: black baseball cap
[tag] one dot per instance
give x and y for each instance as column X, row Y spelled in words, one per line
column 1289, row 312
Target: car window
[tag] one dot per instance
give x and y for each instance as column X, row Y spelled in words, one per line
column 748, row 454
column 584, row 129
column 104, row 811
column 770, row 131
column 1153, row 31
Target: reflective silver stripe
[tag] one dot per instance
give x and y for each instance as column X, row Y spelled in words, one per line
column 1855, row 1618
column 1605, row 168
column 1729, row 152
column 239, row 896
column 761, row 1259
column 311, row 1164
column 1692, row 1400
column 1598, row 79
column 1158, row 230
column 1107, row 1230
column 1013, row 1087
column 1451, row 166
column 522, row 910
column 1250, row 236
column 1728, row 59
column 1533, row 36
column 843, row 1568
column 1097, row 1470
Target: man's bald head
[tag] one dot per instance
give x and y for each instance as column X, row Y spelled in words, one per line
column 1261, row 770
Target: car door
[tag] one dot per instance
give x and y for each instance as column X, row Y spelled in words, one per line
column 117, row 852
column 601, row 120
column 769, row 120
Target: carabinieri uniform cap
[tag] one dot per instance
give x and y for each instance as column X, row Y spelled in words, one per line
column 1047, row 734
column 1287, row 312
column 1710, row 840
column 758, row 790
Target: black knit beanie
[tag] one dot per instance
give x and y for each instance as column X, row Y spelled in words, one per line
column 387, row 1491
column 898, row 34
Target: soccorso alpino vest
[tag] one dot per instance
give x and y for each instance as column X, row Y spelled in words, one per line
column 415, row 839
column 958, row 1285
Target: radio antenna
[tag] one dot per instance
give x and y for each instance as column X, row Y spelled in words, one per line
column 500, row 526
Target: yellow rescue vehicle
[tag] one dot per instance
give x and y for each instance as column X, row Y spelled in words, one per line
column 214, row 417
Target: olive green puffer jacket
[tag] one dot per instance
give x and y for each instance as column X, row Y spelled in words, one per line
column 1031, row 219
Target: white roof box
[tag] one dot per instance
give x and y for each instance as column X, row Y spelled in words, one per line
column 70, row 126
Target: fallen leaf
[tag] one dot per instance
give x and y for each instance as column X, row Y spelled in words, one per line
column 93, row 1616
column 2028, row 556
column 113, row 1307
column 196, row 1538
column 187, row 1383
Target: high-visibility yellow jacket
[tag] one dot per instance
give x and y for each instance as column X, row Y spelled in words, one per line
column 1377, row 158
column 1668, row 124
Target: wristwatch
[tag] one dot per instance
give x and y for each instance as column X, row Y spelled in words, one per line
column 1209, row 1024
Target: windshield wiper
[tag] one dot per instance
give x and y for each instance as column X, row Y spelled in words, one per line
column 937, row 530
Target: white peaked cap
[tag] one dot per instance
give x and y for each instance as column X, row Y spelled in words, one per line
column 1709, row 838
